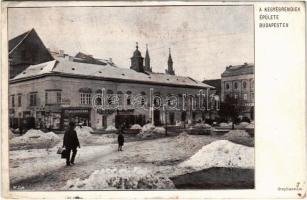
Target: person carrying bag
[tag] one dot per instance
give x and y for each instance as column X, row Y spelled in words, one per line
column 70, row 142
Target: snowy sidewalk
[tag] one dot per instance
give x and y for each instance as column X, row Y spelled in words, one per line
column 25, row 164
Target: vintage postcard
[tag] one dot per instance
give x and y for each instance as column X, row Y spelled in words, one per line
column 146, row 100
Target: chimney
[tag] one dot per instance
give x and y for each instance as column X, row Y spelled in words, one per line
column 61, row 53
column 110, row 59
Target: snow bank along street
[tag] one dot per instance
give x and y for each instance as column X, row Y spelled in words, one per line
column 149, row 161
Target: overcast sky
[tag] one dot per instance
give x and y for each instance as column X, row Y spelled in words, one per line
column 203, row 39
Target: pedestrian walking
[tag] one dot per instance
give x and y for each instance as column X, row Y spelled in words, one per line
column 121, row 139
column 71, row 143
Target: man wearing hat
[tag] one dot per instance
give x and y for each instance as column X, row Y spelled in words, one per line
column 71, row 143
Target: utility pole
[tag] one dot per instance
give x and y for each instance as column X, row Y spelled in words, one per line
column 165, row 108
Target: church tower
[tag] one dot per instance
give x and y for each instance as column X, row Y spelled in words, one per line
column 170, row 69
column 147, row 67
column 137, row 60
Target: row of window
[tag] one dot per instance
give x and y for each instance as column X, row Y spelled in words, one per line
column 55, row 97
column 51, row 97
column 244, row 96
column 236, row 85
column 18, row 100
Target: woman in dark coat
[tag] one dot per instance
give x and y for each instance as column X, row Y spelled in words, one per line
column 71, row 143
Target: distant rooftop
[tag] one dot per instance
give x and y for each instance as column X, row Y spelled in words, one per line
column 81, row 57
column 237, row 70
column 215, row 83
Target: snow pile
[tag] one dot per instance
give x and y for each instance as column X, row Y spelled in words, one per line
column 136, row 127
column 159, row 130
column 201, row 125
column 11, row 134
column 122, row 178
column 239, row 133
column 148, row 127
column 223, row 124
column 87, row 128
column 83, row 132
column 111, row 128
column 221, row 153
column 151, row 131
column 250, row 126
column 185, row 141
column 36, row 139
column 243, row 125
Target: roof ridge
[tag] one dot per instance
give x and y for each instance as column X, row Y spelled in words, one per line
column 28, row 32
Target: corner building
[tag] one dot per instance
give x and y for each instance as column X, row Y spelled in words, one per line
column 62, row 90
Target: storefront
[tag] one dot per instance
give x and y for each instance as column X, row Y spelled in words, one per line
column 77, row 115
column 128, row 117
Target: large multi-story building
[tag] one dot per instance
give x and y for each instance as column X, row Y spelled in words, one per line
column 98, row 93
column 238, row 82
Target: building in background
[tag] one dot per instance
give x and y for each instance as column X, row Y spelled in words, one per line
column 25, row 50
column 214, row 98
column 238, row 83
column 65, row 89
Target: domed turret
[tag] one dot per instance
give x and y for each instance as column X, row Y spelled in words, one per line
column 137, row 53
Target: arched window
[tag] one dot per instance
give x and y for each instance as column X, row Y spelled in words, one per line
column 244, row 84
column 143, row 100
column 227, row 86
column 99, row 91
column 157, row 99
column 128, row 98
column 120, row 97
column 110, row 97
column 98, row 100
column 172, row 100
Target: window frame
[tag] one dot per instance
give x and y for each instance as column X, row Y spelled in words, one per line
column 33, row 99
column 19, row 100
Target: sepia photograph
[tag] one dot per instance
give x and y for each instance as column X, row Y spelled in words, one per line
column 152, row 97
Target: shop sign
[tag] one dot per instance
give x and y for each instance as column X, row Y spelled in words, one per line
column 128, row 111
column 76, row 111
column 105, row 111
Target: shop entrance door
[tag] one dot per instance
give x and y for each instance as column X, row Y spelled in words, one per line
column 157, row 120
column 104, row 121
column 172, row 118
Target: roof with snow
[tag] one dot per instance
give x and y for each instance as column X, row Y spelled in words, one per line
column 239, row 70
column 86, row 70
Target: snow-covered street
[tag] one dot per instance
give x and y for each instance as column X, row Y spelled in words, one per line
column 164, row 157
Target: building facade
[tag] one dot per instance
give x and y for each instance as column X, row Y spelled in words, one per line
column 238, row 82
column 101, row 94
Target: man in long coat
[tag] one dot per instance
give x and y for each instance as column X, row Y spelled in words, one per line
column 71, row 143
